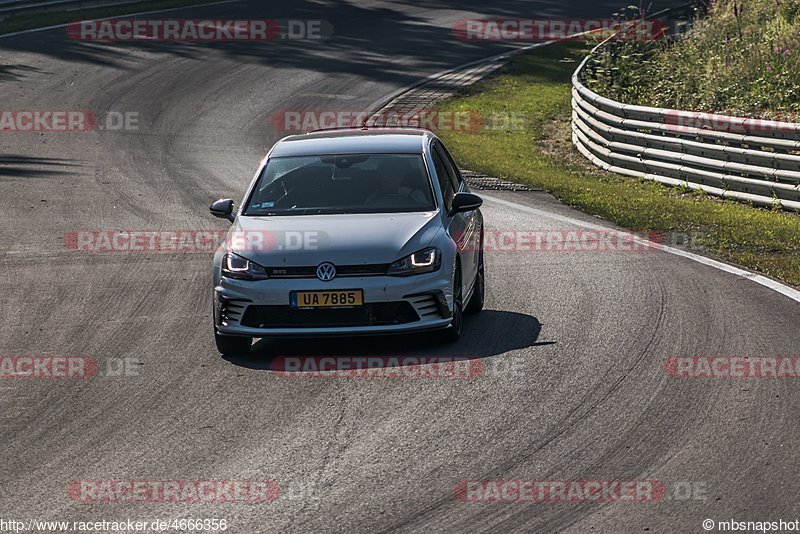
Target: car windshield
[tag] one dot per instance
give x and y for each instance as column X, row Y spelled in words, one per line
column 349, row 183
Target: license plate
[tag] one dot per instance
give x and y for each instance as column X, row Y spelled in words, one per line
column 347, row 298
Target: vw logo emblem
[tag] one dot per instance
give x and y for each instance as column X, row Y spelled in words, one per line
column 326, row 271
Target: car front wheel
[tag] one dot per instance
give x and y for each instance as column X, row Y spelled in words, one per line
column 453, row 332
column 479, row 293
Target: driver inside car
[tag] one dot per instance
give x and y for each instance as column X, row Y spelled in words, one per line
column 391, row 178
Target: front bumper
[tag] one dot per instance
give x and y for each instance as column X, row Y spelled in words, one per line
column 425, row 302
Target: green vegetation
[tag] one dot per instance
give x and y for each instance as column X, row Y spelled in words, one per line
column 539, row 151
column 41, row 20
column 742, row 58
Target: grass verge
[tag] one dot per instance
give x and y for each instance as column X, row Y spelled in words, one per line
column 41, row 20
column 539, row 151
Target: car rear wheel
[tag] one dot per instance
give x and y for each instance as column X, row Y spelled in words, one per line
column 232, row 345
column 479, row 293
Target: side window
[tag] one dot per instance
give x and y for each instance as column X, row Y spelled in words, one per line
column 455, row 175
column 444, row 178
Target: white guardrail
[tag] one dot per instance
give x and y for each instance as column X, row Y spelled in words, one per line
column 731, row 157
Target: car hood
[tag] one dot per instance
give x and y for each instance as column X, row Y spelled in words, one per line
column 347, row 239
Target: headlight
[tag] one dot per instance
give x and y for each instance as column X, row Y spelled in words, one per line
column 235, row 266
column 424, row 261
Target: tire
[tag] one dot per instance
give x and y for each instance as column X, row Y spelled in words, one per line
column 232, row 345
column 475, row 304
column 453, row 332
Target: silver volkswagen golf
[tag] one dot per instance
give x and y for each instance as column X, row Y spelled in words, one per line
column 346, row 232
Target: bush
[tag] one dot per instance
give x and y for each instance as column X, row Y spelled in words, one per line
column 743, row 58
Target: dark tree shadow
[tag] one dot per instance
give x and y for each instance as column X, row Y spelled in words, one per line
column 32, row 167
column 15, row 72
column 358, row 44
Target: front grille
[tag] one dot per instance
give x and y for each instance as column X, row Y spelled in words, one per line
column 373, row 314
column 341, row 270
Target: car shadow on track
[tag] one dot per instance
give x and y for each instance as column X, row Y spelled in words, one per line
column 491, row 333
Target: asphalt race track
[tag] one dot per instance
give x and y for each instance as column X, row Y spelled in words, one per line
column 573, row 345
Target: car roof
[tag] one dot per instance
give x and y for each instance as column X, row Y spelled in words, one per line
column 353, row 141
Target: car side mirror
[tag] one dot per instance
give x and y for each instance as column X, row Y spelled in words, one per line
column 223, row 208
column 465, row 202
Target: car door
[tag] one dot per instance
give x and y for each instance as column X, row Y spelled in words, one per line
column 461, row 226
column 474, row 220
